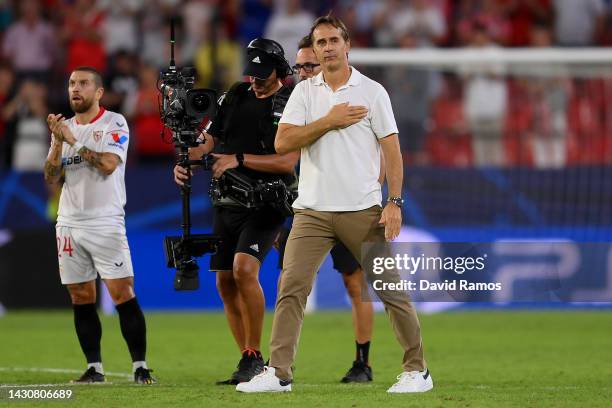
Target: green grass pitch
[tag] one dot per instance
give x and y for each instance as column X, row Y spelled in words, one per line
column 477, row 359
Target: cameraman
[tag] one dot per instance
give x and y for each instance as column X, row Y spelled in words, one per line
column 242, row 138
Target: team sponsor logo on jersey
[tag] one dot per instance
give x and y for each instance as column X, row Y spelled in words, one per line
column 119, row 124
column 70, row 161
column 119, row 137
column 255, row 247
column 97, row 135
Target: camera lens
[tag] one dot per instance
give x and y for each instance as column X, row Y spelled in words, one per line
column 200, row 102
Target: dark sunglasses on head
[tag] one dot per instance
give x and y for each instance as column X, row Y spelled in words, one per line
column 308, row 67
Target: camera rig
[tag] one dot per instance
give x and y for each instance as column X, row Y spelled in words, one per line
column 182, row 110
column 251, row 193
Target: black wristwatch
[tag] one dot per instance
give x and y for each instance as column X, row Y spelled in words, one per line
column 240, row 158
column 399, row 201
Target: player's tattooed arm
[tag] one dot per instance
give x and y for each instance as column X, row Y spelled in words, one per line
column 106, row 163
column 53, row 164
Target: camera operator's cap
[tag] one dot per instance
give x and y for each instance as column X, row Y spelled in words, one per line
column 259, row 64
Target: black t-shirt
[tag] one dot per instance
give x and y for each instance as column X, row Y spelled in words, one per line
column 250, row 131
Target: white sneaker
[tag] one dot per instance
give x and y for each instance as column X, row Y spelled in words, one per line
column 413, row 381
column 267, row 381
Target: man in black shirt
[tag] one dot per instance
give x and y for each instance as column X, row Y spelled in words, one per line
column 242, row 138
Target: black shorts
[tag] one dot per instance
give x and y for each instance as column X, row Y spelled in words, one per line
column 244, row 230
column 344, row 261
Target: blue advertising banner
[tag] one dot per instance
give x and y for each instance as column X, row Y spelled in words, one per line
column 571, row 207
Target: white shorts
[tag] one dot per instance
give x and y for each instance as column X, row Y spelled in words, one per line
column 82, row 253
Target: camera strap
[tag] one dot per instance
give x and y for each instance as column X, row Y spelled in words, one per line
column 279, row 102
column 230, row 101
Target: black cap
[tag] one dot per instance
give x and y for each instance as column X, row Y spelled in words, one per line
column 259, row 64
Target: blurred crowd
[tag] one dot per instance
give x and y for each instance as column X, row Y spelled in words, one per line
column 457, row 118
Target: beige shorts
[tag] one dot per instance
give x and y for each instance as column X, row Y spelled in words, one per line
column 84, row 253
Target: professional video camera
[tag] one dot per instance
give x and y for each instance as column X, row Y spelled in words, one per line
column 251, row 193
column 182, row 110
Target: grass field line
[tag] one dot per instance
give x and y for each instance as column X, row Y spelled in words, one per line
column 61, row 371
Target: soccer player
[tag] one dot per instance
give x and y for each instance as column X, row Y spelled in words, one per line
column 339, row 116
column 90, row 149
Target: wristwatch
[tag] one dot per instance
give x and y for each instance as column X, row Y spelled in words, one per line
column 399, row 201
column 240, row 158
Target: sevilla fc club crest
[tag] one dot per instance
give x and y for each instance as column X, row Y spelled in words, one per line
column 97, row 135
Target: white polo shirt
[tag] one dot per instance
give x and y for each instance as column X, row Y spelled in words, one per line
column 339, row 172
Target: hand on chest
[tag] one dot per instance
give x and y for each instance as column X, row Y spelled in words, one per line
column 323, row 102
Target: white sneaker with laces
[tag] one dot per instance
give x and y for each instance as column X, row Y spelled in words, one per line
column 413, row 381
column 267, row 381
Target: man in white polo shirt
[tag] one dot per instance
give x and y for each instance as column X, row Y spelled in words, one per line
column 339, row 119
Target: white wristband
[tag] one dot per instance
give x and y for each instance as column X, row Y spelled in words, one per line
column 77, row 145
